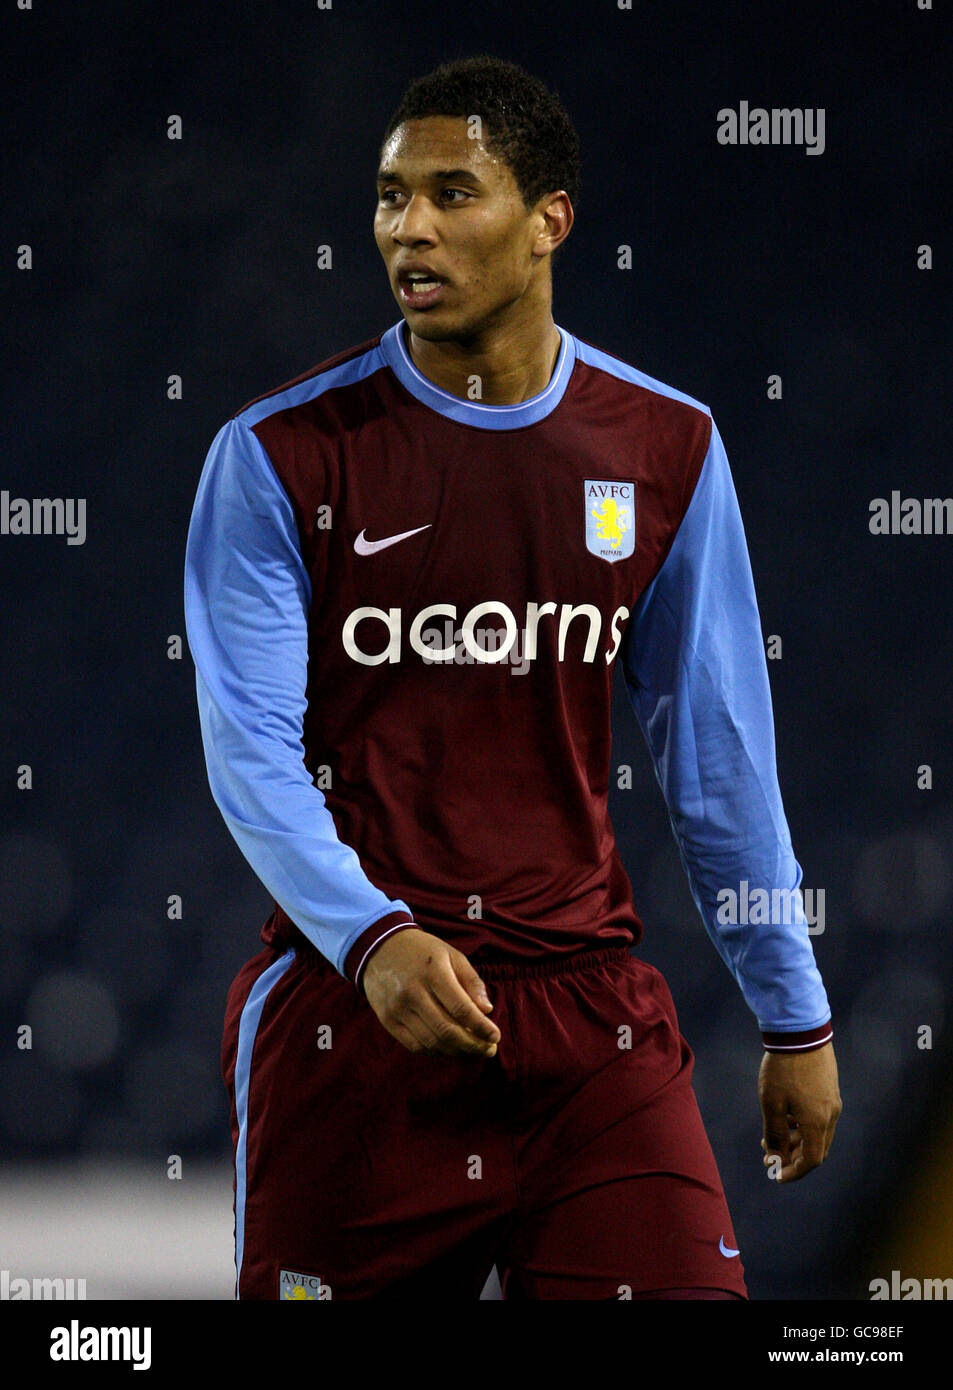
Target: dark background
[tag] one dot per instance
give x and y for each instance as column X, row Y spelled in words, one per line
column 197, row 257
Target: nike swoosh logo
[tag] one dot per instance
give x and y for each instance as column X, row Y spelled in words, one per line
column 730, row 1254
column 364, row 547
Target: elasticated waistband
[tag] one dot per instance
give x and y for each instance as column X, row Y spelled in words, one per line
column 531, row 969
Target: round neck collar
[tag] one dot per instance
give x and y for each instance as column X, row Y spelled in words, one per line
column 489, row 417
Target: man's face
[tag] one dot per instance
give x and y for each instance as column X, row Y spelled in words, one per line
column 446, row 203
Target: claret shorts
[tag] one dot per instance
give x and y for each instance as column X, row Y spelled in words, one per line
column 575, row 1160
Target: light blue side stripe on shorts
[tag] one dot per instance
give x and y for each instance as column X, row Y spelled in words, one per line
column 247, row 1029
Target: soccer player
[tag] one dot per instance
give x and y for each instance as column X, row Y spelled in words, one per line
column 410, row 575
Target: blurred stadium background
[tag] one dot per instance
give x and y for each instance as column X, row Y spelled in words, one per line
column 197, row 257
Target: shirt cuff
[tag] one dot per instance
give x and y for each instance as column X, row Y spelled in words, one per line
column 369, row 939
column 807, row 1041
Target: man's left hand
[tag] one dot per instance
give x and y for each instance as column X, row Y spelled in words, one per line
column 800, row 1104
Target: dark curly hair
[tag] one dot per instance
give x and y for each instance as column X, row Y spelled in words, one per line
column 524, row 122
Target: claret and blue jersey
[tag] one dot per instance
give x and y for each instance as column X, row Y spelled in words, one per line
column 405, row 610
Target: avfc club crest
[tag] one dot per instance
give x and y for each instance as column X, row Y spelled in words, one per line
column 610, row 519
column 302, row 1288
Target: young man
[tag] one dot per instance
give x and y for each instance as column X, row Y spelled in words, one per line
column 410, row 574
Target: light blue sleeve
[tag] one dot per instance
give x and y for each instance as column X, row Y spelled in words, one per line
column 247, row 596
column 696, row 674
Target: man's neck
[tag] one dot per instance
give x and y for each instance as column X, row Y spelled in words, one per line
column 508, row 368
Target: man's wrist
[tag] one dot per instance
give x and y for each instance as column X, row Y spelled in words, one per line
column 807, row 1040
column 367, row 943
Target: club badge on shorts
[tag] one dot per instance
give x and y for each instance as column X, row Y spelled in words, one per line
column 610, row 518
column 301, row 1288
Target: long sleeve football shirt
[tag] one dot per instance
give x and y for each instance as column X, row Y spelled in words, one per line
column 405, row 609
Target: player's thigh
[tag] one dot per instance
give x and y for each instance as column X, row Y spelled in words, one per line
column 298, row 1058
column 354, row 1157
column 635, row 1206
